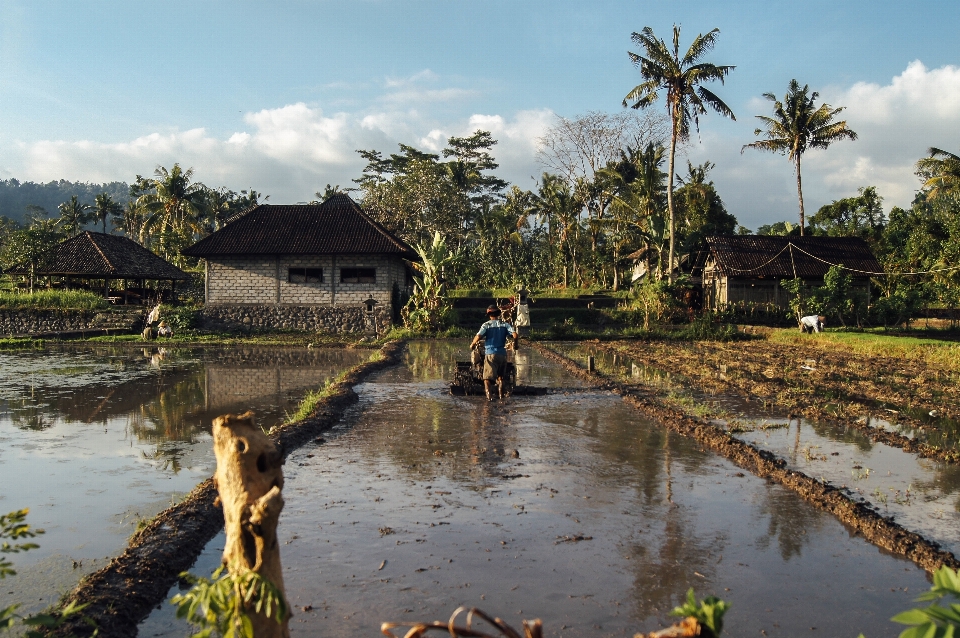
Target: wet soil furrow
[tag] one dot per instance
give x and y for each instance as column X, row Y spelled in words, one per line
column 816, row 382
column 877, row 435
column 880, row 531
column 124, row 592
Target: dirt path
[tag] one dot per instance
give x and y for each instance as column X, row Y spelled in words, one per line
column 121, row 594
column 877, row 529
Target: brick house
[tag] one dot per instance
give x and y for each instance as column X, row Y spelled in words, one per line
column 750, row 268
column 325, row 267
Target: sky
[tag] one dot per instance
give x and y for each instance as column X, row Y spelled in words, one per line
column 278, row 96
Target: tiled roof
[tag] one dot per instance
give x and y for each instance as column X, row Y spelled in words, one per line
column 337, row 226
column 804, row 257
column 91, row 254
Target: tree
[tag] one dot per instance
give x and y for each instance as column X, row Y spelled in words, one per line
column 941, row 176
column 104, row 206
column 797, row 125
column 26, row 245
column 174, row 208
column 701, row 208
column 860, row 216
column 558, row 205
column 73, row 215
column 638, row 184
column 681, row 77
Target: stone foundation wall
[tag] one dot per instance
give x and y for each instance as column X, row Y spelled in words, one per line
column 29, row 322
column 305, row 318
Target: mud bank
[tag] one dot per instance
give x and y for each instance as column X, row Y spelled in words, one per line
column 122, row 594
column 877, row 529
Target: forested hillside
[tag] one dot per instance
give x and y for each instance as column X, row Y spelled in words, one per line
column 15, row 195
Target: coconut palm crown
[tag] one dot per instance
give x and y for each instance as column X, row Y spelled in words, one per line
column 941, row 177
column 663, row 69
column 798, row 125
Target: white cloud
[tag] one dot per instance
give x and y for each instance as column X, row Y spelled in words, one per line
column 287, row 152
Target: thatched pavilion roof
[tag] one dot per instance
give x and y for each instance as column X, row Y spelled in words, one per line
column 100, row 256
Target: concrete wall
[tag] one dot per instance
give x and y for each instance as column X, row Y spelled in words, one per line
column 264, row 280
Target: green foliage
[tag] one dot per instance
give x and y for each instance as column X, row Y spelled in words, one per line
column 222, row 604
column 935, row 621
column 13, row 526
column 861, row 216
column 709, row 612
column 181, row 318
column 52, row 300
column 429, row 309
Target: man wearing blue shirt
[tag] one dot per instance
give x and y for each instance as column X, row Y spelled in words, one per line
column 494, row 332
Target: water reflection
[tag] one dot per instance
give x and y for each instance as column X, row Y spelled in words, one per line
column 94, row 438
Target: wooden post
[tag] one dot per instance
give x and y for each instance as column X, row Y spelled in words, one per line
column 591, row 364
column 249, row 479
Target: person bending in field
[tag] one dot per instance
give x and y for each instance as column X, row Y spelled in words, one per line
column 494, row 333
column 812, row 323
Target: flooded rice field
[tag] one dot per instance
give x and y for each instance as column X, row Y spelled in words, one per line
column 95, row 439
column 569, row 507
column 921, row 494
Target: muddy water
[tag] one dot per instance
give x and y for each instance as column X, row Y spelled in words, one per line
column 568, row 507
column 94, row 439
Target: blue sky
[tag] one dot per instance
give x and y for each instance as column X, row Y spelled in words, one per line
column 278, row 96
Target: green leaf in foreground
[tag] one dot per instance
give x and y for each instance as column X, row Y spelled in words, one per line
column 709, row 613
column 935, row 621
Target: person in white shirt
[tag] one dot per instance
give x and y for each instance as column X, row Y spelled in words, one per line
column 812, row 323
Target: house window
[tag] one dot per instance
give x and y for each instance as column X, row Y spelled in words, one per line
column 305, row 275
column 358, row 275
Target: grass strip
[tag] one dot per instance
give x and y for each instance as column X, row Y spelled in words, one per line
column 52, row 300
column 124, row 592
column 935, row 352
column 878, row 530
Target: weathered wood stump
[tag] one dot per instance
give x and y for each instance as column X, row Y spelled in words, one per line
column 249, row 479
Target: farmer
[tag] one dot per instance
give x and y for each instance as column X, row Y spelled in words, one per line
column 164, row 330
column 812, row 323
column 494, row 332
column 523, row 308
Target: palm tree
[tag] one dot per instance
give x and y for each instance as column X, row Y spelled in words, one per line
column 73, row 215
column 941, row 176
column 798, row 125
column 680, row 77
column 175, row 207
column 104, row 206
column 558, row 204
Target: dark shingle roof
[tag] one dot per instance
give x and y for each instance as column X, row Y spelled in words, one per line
column 92, row 254
column 337, row 226
column 804, row 257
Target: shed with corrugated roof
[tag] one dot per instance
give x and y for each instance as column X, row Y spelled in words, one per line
column 750, row 268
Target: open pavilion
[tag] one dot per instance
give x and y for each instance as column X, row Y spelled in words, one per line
column 118, row 266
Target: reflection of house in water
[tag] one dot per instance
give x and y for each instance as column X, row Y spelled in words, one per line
column 236, row 379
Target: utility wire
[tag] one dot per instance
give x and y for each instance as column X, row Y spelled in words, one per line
column 790, row 246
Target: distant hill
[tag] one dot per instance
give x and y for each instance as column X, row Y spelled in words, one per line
column 15, row 195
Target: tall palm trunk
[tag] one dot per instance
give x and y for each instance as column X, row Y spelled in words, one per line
column 800, row 195
column 673, row 152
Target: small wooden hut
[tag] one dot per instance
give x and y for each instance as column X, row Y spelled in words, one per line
column 118, row 266
column 750, row 268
